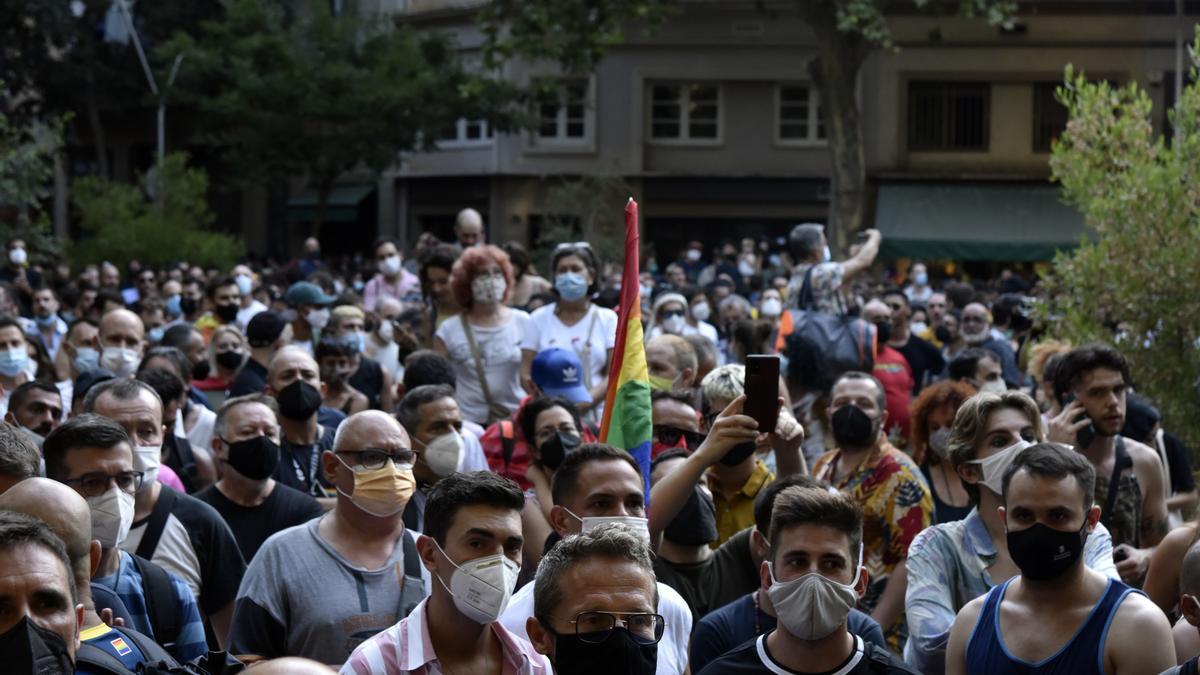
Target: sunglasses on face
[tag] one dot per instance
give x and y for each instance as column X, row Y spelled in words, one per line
column 670, row 436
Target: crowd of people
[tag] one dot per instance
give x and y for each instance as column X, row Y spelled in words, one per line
column 391, row 464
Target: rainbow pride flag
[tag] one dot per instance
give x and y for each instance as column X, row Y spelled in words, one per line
column 627, row 423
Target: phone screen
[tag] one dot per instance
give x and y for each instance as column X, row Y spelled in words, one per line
column 762, row 390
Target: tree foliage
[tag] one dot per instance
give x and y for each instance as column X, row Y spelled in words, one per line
column 1137, row 283
column 588, row 208
column 122, row 222
column 27, row 153
column 292, row 89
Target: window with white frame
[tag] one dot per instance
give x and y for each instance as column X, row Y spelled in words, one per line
column 685, row 112
column 800, row 118
column 466, row 132
column 563, row 113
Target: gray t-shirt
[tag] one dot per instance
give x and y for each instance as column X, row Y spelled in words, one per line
column 300, row 597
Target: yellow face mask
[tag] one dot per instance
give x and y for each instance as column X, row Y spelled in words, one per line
column 660, row 383
column 381, row 492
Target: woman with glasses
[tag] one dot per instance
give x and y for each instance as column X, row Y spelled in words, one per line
column 574, row 322
column 484, row 340
column 670, row 315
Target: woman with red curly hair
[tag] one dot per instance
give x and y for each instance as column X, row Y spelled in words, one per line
column 932, row 416
column 484, row 340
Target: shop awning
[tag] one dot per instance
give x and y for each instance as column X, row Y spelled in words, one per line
column 1018, row 222
column 343, row 205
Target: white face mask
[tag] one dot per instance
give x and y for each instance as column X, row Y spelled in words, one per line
column 317, row 318
column 693, row 254
column 639, row 526
column 771, row 307
column 812, row 606
column 996, row 386
column 939, row 442
column 442, row 454
column 390, row 266
column 673, row 324
column 993, row 467
column 147, row 459
column 18, row 256
column 385, row 331
column 122, row 361
column 488, row 289
column 112, row 516
column 701, row 311
column 482, row 587
column 745, row 269
column 918, row 327
column 826, row 255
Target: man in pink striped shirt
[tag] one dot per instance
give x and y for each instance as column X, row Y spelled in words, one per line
column 472, row 549
column 393, row 281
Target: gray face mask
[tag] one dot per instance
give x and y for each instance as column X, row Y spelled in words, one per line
column 812, row 606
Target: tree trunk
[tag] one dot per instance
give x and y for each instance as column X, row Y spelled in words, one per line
column 840, row 57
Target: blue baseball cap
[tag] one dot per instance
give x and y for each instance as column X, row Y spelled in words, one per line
column 558, row 372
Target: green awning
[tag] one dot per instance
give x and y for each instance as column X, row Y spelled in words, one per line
column 1017, row 222
column 343, row 205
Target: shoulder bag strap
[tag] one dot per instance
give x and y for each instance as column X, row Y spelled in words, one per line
column 156, row 524
column 1120, row 461
column 160, row 598
column 494, row 411
column 586, row 356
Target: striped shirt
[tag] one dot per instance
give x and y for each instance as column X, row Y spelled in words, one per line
column 406, row 648
column 127, row 584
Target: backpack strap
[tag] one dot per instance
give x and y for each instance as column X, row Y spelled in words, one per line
column 187, row 461
column 806, row 299
column 156, row 524
column 98, row 661
column 412, row 588
column 159, row 592
column 1121, row 461
column 153, row 651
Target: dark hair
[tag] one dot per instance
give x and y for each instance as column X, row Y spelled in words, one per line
column 1083, row 360
column 107, row 295
column 457, row 490
column 566, row 478
column 7, row 321
column 22, row 392
column 668, row 455
column 1050, row 460
column 807, row 365
column 122, row 389
column 855, row 375
column 672, row 395
column 426, row 366
column 805, row 240
column 408, row 413
column 1051, row 367
column 18, row 455
column 166, row 384
column 518, row 256
column 331, row 347
column 527, row 418
column 962, row 366
column 384, row 240
column 959, row 294
column 172, row 354
column 893, row 291
column 18, row 529
column 86, row 430
column 764, row 502
column 817, row 506
column 753, row 334
column 177, row 336
column 441, row 256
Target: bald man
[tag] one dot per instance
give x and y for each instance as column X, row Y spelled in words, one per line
column 69, row 516
column 122, row 342
column 671, row 362
column 319, row 589
column 468, row 228
column 306, row 428
column 291, row 666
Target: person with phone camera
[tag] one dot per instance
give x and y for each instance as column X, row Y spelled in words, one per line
column 1092, row 382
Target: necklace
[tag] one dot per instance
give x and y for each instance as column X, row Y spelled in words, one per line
column 949, row 492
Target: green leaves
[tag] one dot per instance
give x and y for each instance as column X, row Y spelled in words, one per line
column 1139, row 279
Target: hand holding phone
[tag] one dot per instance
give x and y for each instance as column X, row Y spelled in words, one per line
column 1086, row 433
column 762, row 391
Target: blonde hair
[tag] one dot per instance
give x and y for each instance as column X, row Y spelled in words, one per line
column 725, row 383
column 219, row 331
column 1041, row 353
column 970, row 422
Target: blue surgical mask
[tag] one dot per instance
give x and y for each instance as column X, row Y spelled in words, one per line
column 172, row 305
column 86, row 359
column 571, row 286
column 354, row 341
column 921, row 279
column 244, row 283
column 45, row 321
column 13, row 361
column 156, row 334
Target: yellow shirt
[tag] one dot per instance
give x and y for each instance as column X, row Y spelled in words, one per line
column 737, row 515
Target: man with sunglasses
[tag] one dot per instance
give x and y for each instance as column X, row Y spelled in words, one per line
column 676, row 423
column 320, row 589
column 594, row 610
column 94, row 456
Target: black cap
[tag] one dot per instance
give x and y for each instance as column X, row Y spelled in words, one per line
column 264, row 328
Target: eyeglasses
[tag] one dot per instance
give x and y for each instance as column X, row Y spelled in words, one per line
column 670, row 436
column 672, row 313
column 596, row 627
column 375, row 458
column 96, row 484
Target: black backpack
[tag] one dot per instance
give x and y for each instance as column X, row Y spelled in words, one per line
column 99, row 661
column 159, row 592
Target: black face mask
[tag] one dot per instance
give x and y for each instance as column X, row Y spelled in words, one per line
column 696, row 522
column 298, row 401
column 883, row 331
column 227, row 313
column 943, row 334
column 255, row 458
column 188, row 306
column 620, row 653
column 738, row 454
column 853, row 428
column 555, row 450
column 29, row 648
column 200, row 370
column 1043, row 552
column 229, row 360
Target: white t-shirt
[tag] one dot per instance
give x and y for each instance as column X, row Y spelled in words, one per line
column 549, row 331
column 500, row 351
column 672, row 649
column 703, row 328
column 246, row 313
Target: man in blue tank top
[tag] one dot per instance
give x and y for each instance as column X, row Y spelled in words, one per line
column 1057, row 616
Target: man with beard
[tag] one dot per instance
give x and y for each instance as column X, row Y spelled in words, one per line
column 1091, row 382
column 37, row 408
column 1057, row 616
column 976, row 329
column 888, row 486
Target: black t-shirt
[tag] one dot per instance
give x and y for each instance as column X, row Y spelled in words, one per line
column 368, row 379
column 754, row 657
column 727, row 575
column 924, row 359
column 252, row 525
column 300, row 465
column 251, row 379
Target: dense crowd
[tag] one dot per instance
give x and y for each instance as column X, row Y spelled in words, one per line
column 389, row 463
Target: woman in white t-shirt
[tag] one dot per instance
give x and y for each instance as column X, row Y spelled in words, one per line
column 486, row 337
column 574, row 322
column 670, row 315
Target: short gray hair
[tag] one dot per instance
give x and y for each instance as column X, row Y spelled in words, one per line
column 122, row 389
column 230, row 404
column 735, row 299
column 409, row 411
column 609, row 541
column 855, row 375
column 725, row 383
column 805, row 240
column 18, row 455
